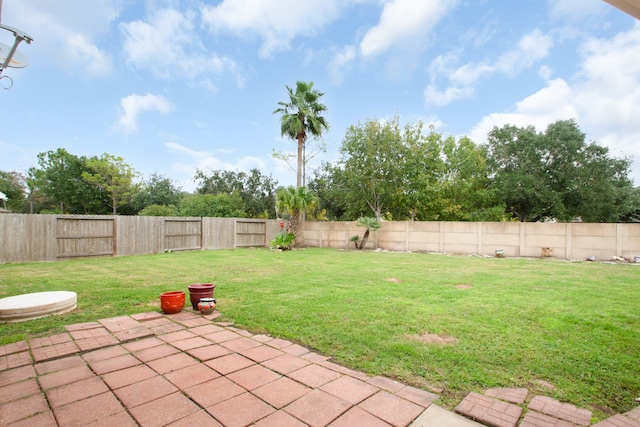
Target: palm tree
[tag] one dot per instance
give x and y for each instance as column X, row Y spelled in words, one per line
column 295, row 201
column 302, row 116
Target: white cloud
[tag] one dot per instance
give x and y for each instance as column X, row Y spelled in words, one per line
column 67, row 36
column 167, row 44
column 187, row 161
column 340, row 63
column 133, row 105
column 532, row 48
column 546, row 106
column 604, row 97
column 276, row 22
column 433, row 96
column 575, row 10
column 405, row 24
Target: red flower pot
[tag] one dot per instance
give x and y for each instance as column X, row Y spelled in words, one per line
column 200, row 290
column 172, row 302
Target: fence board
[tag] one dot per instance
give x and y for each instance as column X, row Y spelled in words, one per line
column 85, row 236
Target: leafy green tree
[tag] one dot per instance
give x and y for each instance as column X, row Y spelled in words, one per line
column 57, row 185
column 159, row 210
column 213, row 205
column 114, row 177
column 371, row 155
column 295, row 202
column 557, row 175
column 301, row 117
column 327, row 183
column 465, row 184
column 256, row 190
column 157, row 190
column 13, row 185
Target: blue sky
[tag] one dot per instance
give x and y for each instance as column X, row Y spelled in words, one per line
column 176, row 86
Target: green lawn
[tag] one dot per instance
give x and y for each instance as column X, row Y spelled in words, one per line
column 504, row 322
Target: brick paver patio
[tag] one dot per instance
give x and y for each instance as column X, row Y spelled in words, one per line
column 151, row 369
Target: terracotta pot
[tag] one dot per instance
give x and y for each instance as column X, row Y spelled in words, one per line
column 172, row 302
column 206, row 305
column 200, row 290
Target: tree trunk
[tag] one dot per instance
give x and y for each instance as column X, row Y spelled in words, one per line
column 364, row 239
column 300, row 160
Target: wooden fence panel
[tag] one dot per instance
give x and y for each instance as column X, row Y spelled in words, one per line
column 139, row 235
column 182, row 234
column 251, row 233
column 218, row 233
column 25, row 238
column 85, row 236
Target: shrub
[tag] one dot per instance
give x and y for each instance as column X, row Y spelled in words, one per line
column 283, row 241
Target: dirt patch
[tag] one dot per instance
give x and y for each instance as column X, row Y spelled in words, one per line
column 393, row 280
column 428, row 338
column 464, row 286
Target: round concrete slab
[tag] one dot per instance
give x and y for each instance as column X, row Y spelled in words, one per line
column 19, row 308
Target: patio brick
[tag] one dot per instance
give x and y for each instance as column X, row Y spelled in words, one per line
column 564, row 411
column 199, row 418
column 206, row 329
column 191, row 375
column 128, row 376
column 142, row 344
column 171, row 363
column 144, row 391
column 240, row 411
column 279, row 419
column 240, row 344
column 285, row 363
column 386, row 384
column 350, row 389
column 157, row 352
column 114, row 364
column 617, row 421
column 16, row 374
column 489, row 411
column 59, row 364
column 66, row 376
column 190, row 343
column 512, row 395
column 208, row 352
column 167, row 409
column 313, row 375
column 229, row 363
column 417, row 396
column 22, row 408
column 261, row 353
column 317, row 408
column 15, row 360
column 19, row 390
column 78, row 390
column 281, row 392
column 253, row 377
column 88, row 410
column 215, row 391
column 43, row 419
column 356, row 417
column 391, row 409
column 222, row 336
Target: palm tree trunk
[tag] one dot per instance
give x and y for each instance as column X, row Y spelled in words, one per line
column 364, row 239
column 300, row 160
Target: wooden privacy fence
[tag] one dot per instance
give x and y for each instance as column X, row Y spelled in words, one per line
column 26, row 238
